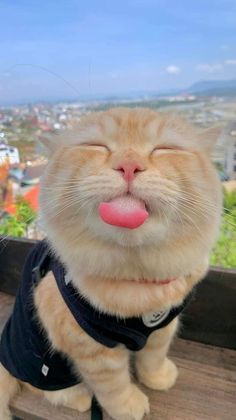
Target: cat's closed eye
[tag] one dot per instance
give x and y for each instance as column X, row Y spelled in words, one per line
column 168, row 148
column 97, row 145
column 162, row 149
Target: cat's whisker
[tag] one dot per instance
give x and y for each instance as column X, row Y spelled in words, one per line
column 180, row 212
column 72, row 203
column 197, row 206
column 178, row 215
column 66, row 204
column 192, row 223
column 202, row 200
column 55, row 209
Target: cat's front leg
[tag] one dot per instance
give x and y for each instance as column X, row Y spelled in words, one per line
column 153, row 367
column 107, row 374
column 105, row 370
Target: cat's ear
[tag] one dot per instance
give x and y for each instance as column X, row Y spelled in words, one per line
column 208, row 138
column 49, row 143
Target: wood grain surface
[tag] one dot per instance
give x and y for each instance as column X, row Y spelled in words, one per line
column 205, row 390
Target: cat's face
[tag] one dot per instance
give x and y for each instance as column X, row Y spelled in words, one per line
column 160, row 163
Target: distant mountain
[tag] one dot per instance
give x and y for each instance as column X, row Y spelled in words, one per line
column 201, row 88
column 213, row 88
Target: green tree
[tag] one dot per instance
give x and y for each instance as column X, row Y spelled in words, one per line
column 229, row 201
column 224, row 253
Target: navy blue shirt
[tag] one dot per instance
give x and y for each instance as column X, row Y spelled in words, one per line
column 24, row 348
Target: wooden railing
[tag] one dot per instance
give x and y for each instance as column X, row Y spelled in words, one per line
column 210, row 318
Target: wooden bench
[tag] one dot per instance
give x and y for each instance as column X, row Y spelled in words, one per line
column 205, row 353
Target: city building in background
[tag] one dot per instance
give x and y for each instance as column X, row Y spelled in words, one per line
column 9, row 153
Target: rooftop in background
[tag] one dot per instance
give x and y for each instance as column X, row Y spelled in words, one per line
column 32, row 174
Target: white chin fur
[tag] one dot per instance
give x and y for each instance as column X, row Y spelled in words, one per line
column 150, row 233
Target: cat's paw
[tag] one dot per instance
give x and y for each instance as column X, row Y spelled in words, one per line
column 82, row 403
column 162, row 379
column 133, row 408
column 82, row 400
column 77, row 397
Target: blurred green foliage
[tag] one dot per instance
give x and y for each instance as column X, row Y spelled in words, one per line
column 17, row 225
column 224, row 253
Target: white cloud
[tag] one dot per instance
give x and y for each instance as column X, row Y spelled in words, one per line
column 172, row 69
column 231, row 62
column 209, row 68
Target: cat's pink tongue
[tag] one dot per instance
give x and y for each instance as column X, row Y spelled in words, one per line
column 127, row 211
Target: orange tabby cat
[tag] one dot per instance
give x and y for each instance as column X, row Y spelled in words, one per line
column 163, row 163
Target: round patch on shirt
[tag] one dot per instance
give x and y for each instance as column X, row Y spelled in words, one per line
column 152, row 319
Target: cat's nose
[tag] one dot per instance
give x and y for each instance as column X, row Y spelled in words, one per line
column 128, row 170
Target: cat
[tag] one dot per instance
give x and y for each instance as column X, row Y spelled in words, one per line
column 131, row 205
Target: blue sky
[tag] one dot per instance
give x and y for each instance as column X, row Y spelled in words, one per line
column 73, row 48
